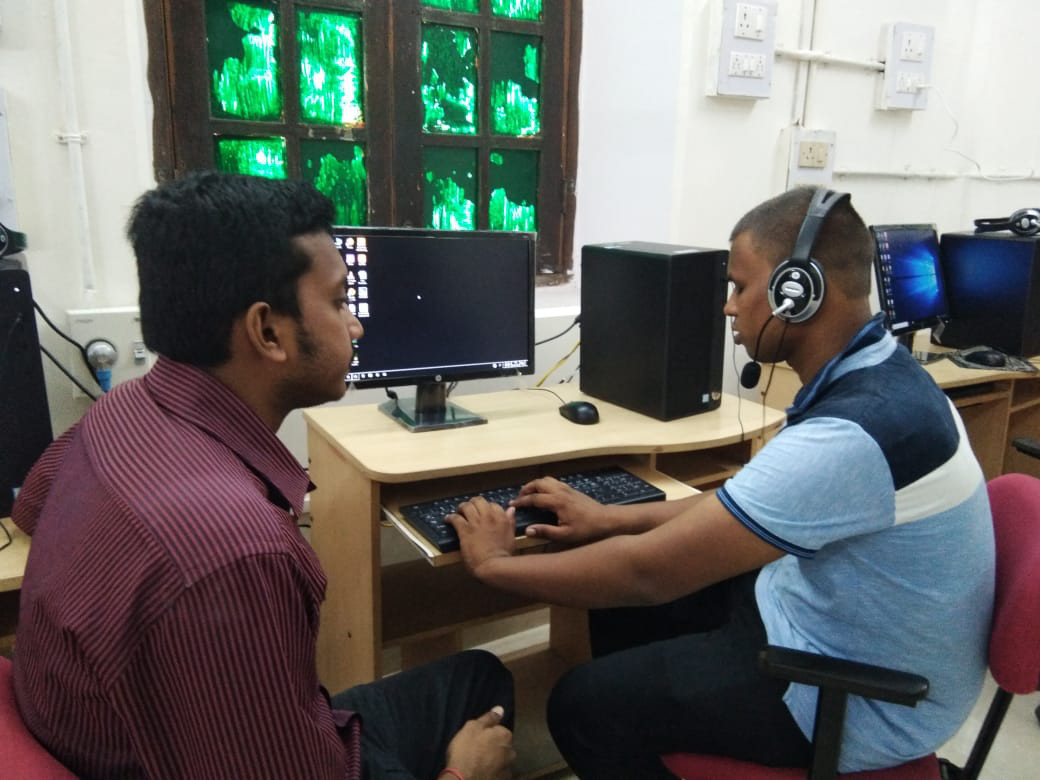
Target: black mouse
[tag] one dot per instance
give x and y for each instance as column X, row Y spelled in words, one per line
column 990, row 358
column 581, row 412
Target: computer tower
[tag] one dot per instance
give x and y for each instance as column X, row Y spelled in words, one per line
column 25, row 422
column 652, row 327
column 993, row 291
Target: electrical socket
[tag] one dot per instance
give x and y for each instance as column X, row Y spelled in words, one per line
column 813, row 154
column 907, row 51
column 121, row 326
column 747, row 65
column 742, row 48
column 807, row 157
column 750, row 22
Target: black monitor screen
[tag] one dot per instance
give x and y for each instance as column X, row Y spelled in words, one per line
column 439, row 306
column 986, row 277
column 910, row 283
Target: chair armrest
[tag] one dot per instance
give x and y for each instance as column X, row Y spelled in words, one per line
column 1027, row 445
column 872, row 682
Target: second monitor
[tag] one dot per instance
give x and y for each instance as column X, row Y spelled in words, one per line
column 438, row 307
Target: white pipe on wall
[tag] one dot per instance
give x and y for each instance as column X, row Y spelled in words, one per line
column 72, row 137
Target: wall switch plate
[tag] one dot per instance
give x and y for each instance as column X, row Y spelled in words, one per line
column 742, row 48
column 907, row 51
column 121, row 326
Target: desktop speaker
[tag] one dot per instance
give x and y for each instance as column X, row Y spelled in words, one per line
column 25, row 423
column 993, row 291
column 652, row 327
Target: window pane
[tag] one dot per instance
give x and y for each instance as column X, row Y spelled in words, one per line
column 449, row 79
column 254, row 156
column 466, row 6
column 450, row 190
column 515, row 84
column 242, row 45
column 331, row 67
column 517, row 9
column 514, row 190
column 337, row 169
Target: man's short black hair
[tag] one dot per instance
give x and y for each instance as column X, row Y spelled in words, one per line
column 211, row 244
column 844, row 247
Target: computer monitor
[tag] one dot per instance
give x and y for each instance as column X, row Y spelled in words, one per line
column 438, row 306
column 910, row 283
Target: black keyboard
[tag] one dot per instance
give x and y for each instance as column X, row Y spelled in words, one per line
column 610, row 485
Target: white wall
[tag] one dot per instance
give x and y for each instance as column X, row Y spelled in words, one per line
column 658, row 160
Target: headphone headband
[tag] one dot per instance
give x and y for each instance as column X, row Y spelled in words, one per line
column 823, row 200
column 1024, row 222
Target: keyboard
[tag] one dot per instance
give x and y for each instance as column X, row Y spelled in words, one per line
column 610, row 485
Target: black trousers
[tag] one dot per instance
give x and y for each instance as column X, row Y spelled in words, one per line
column 683, row 677
column 408, row 719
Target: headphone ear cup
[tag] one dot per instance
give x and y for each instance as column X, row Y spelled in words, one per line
column 800, row 283
column 1025, row 222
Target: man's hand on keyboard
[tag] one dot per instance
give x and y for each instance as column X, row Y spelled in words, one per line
column 485, row 531
column 581, row 519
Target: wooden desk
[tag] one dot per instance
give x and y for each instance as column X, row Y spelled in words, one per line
column 996, row 406
column 13, row 557
column 360, row 460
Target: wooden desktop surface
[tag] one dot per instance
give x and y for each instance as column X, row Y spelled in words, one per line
column 13, row 557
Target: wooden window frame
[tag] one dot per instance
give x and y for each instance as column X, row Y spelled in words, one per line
column 183, row 129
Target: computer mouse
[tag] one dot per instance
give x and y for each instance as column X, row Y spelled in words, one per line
column 990, row 358
column 581, row 412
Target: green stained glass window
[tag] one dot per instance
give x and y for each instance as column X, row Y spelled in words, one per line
column 449, row 79
column 450, row 188
column 242, row 47
column 331, row 67
column 530, row 10
column 254, row 156
column 515, row 84
column 466, row 6
column 513, row 179
column 337, row 169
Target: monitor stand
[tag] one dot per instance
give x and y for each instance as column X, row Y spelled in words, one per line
column 924, row 357
column 430, row 410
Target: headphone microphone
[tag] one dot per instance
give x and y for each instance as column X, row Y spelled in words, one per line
column 752, row 371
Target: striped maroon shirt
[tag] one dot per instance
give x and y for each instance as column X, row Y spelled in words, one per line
column 169, row 611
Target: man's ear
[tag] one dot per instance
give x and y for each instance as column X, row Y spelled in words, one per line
column 265, row 331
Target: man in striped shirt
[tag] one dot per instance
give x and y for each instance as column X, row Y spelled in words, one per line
column 170, row 607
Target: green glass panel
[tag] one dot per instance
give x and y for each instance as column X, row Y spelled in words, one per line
column 337, row 169
column 515, row 84
column 242, row 46
column 254, row 156
column 466, row 6
column 331, row 67
column 514, row 190
column 449, row 79
column 517, row 9
column 450, row 188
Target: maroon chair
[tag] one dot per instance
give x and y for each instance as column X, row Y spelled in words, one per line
column 1014, row 662
column 20, row 754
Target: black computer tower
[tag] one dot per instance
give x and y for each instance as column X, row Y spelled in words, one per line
column 25, row 422
column 652, row 327
column 993, row 291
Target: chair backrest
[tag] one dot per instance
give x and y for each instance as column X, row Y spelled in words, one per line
column 20, row 754
column 1014, row 646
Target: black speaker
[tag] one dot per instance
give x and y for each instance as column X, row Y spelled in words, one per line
column 652, row 327
column 992, row 290
column 25, row 422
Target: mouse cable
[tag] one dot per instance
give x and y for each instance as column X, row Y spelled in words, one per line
column 559, row 363
column 577, row 321
column 545, row 390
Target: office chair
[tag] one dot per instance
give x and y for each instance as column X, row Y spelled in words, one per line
column 20, row 754
column 1014, row 662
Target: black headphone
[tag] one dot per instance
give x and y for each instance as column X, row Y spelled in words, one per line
column 796, row 286
column 11, row 241
column 1024, row 222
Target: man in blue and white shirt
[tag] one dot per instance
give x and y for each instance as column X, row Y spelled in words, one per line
column 862, row 530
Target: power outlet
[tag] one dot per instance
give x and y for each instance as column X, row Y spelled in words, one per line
column 907, row 51
column 121, row 327
column 813, row 154
column 740, row 59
